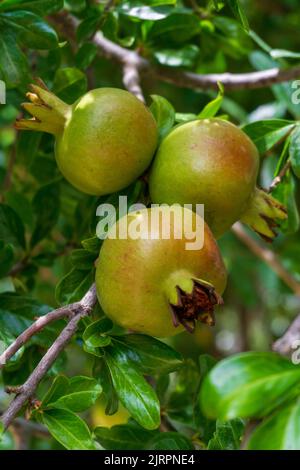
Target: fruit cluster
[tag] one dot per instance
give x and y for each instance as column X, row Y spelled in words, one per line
column 104, row 142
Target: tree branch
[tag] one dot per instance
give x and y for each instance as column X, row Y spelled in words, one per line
column 37, row 326
column 231, row 81
column 284, row 345
column 83, row 308
column 268, row 256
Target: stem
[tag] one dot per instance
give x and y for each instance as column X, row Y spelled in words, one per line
column 26, row 391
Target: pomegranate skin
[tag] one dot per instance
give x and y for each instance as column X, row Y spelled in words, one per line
column 137, row 280
column 210, row 162
column 103, row 142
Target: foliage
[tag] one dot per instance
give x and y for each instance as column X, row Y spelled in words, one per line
column 178, row 396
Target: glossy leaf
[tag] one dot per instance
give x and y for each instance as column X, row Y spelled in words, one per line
column 295, row 150
column 248, row 385
column 212, row 108
column 68, row 429
column 137, row 396
column 95, row 334
column 69, row 84
column 149, row 355
column 170, row 441
column 123, row 437
column 74, row 285
column 281, row 431
column 163, row 113
column 266, row 134
column 81, row 394
column 227, row 436
column 31, row 30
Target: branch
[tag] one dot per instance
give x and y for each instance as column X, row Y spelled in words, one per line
column 37, row 326
column 26, row 391
column 231, row 81
column 268, row 256
column 277, row 180
column 285, row 344
column 131, row 79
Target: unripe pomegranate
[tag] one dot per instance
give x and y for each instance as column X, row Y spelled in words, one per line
column 156, row 285
column 104, row 141
column 213, row 162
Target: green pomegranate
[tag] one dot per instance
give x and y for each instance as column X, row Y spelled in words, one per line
column 155, row 285
column 104, row 141
column 213, row 162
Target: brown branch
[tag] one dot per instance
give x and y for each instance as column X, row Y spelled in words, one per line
column 36, row 327
column 26, row 391
column 277, row 180
column 231, row 81
column 268, row 256
column 131, row 79
column 285, row 344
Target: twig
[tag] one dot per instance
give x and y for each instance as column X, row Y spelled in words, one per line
column 231, row 81
column 38, row 325
column 277, row 180
column 131, row 79
column 84, row 308
column 267, row 256
column 287, row 342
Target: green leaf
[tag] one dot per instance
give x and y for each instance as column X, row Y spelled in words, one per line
column 13, row 63
column 184, row 57
column 74, row 285
column 46, row 205
column 176, row 28
column 285, row 192
column 123, row 437
column 92, row 244
column 58, row 388
column 227, row 435
column 185, row 117
column 282, row 91
column 39, row 6
column 81, row 394
column 68, row 429
column 85, row 55
column 163, row 113
column 170, row 441
column 31, row 30
column 266, row 134
column 6, row 439
column 83, row 259
column 212, row 108
column 295, row 150
column 239, row 13
column 137, row 396
column 248, row 385
column 143, row 12
column 149, row 355
column 95, row 334
column 17, row 313
column 69, row 84
column 6, row 258
column 11, row 226
column 281, row 431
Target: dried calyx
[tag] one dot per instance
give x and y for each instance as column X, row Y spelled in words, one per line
column 195, row 306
